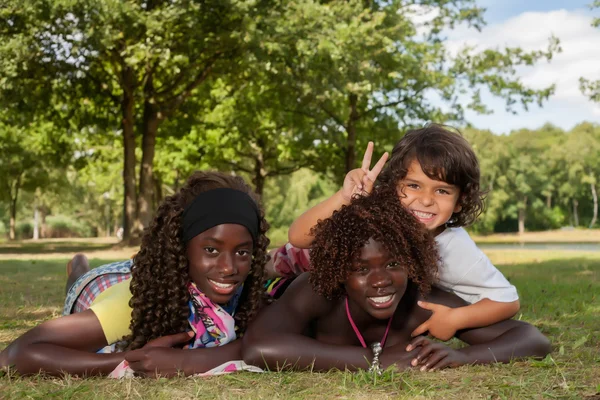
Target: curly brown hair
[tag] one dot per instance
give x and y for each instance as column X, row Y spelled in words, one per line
column 160, row 269
column 446, row 156
column 340, row 238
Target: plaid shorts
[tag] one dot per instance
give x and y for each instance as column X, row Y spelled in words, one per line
column 94, row 288
column 84, row 291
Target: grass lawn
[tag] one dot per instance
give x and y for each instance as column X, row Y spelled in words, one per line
column 560, row 293
column 555, row 236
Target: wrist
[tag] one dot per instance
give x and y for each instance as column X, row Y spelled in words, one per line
column 341, row 199
column 459, row 318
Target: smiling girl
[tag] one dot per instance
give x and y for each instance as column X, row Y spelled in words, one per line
column 372, row 265
column 196, row 281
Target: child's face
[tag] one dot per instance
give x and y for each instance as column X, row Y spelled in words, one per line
column 377, row 282
column 220, row 259
column 433, row 202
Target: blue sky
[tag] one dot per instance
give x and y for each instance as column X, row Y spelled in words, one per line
column 500, row 10
column 529, row 24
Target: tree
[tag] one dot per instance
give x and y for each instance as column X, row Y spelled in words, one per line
column 143, row 58
column 364, row 70
column 28, row 155
column 589, row 87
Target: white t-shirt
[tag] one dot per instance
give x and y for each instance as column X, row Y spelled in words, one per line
column 467, row 272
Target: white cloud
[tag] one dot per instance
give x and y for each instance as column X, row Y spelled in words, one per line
column 531, row 30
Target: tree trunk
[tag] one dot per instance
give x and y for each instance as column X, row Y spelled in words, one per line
column 595, row 197
column 351, row 131
column 259, row 170
column 549, row 200
column 575, row 213
column 36, row 222
column 158, row 190
column 522, row 211
column 13, row 209
column 149, row 130
column 127, row 124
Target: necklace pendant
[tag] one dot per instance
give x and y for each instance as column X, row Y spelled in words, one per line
column 375, row 367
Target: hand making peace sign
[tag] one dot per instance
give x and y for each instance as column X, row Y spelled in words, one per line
column 361, row 180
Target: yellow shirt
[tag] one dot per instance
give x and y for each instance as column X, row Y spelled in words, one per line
column 112, row 310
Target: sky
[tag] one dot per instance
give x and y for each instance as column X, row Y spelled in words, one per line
column 529, row 24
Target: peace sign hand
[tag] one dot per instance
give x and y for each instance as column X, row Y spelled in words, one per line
column 361, row 180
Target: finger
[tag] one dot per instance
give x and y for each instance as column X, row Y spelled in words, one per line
column 171, row 340
column 443, row 363
column 374, row 173
column 420, row 341
column 366, row 163
column 434, row 359
column 428, row 306
column 134, row 356
column 137, row 366
column 367, row 184
column 421, row 329
column 423, row 354
column 357, row 179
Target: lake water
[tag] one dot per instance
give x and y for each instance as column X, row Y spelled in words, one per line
column 541, row 246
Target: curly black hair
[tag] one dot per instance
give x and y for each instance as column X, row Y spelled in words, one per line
column 160, row 272
column 340, row 238
column 444, row 155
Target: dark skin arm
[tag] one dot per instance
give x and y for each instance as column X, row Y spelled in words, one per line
column 63, row 345
column 275, row 339
column 500, row 342
column 69, row 344
column 159, row 358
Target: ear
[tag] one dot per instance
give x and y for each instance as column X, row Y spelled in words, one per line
column 458, row 206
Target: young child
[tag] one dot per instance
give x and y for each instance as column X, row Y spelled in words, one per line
column 437, row 178
column 196, row 281
column 372, row 264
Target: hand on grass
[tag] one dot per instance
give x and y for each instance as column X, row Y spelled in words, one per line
column 361, row 180
column 159, row 357
column 443, row 323
column 434, row 356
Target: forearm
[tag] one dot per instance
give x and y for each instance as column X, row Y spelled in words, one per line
column 518, row 342
column 299, row 232
column 302, row 353
column 483, row 313
column 201, row 360
column 56, row 360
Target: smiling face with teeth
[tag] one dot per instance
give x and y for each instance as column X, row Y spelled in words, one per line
column 220, row 260
column 431, row 201
column 377, row 281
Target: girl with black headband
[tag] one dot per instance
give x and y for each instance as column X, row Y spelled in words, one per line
column 195, row 283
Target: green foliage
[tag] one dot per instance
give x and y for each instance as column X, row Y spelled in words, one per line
column 591, row 87
column 62, row 226
column 24, row 230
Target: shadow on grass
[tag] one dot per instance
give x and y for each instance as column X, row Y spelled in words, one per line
column 53, row 247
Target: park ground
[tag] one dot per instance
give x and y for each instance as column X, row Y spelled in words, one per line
column 560, row 294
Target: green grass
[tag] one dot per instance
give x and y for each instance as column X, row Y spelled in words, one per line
column 559, row 293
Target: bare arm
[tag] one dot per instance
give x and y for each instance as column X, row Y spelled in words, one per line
column 357, row 181
column 299, row 232
column 275, row 339
column 485, row 312
column 159, row 357
column 446, row 321
column 500, row 342
column 63, row 345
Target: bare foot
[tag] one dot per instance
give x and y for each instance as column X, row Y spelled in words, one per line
column 76, row 267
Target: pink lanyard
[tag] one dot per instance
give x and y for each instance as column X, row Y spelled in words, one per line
column 359, row 336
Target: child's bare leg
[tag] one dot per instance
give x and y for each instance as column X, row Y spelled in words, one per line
column 76, row 267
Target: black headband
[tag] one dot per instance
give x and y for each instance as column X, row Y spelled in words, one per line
column 220, row 206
